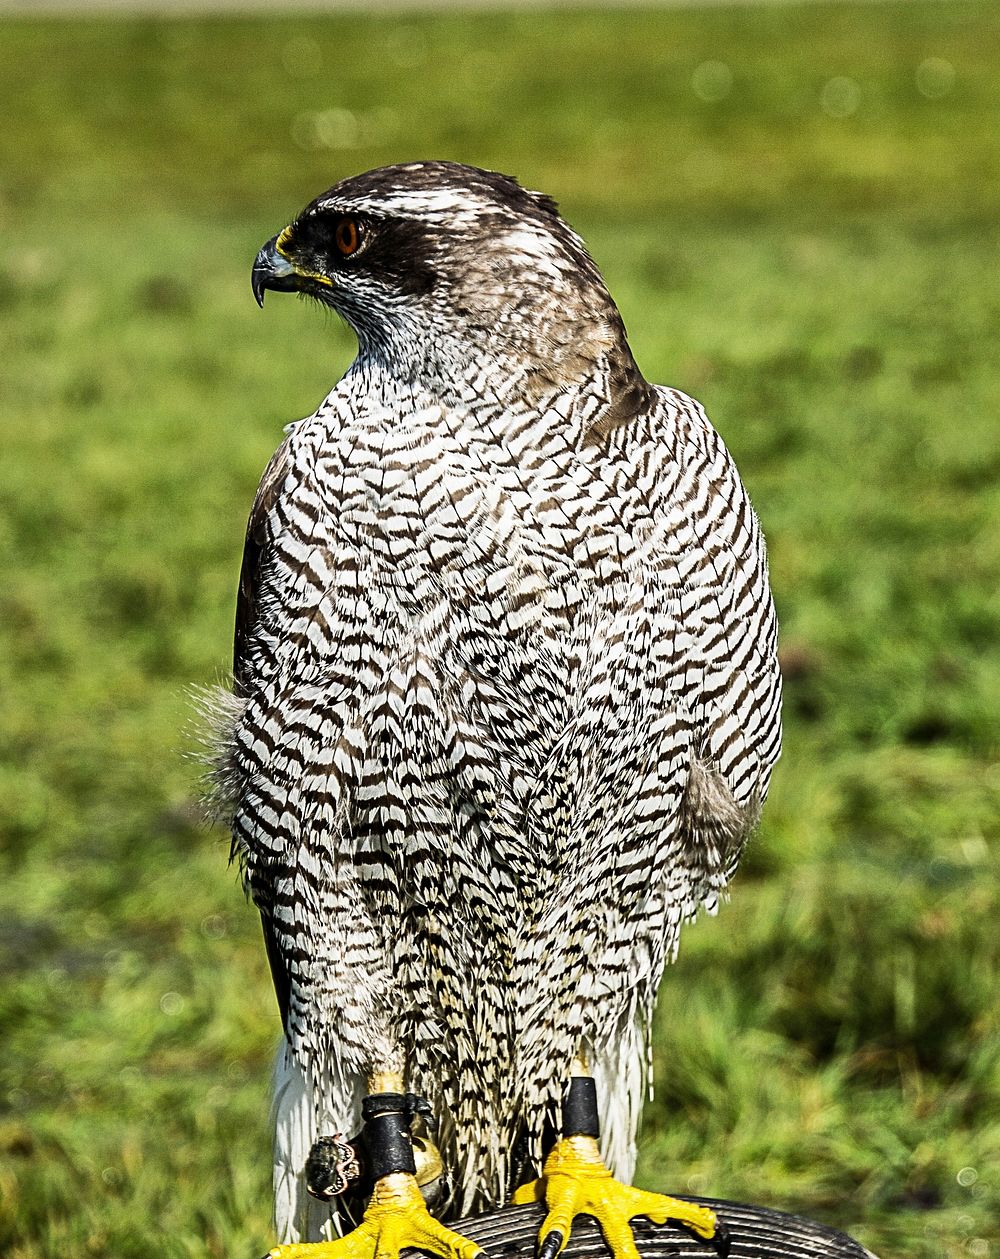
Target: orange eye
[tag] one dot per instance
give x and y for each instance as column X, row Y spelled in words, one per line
column 348, row 236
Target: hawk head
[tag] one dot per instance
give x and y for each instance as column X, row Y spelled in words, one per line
column 438, row 267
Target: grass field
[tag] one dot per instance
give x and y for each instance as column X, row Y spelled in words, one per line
column 799, row 212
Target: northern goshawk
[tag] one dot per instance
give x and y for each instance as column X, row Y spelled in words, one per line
column 505, row 707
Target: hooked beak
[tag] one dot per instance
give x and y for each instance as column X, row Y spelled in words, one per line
column 272, row 270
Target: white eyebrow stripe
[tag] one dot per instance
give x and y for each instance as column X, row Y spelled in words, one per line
column 524, row 238
column 437, row 205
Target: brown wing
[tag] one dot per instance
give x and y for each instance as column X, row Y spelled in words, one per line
column 631, row 395
column 255, row 553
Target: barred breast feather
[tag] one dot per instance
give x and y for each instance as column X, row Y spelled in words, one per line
column 507, row 709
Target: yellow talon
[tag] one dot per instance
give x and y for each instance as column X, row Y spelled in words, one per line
column 533, row 1191
column 396, row 1217
column 574, row 1182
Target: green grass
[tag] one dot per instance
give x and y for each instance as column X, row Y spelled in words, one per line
column 827, row 285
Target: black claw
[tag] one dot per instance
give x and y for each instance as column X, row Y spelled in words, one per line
column 720, row 1241
column 551, row 1246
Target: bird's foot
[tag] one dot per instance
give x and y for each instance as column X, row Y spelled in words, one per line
column 574, row 1182
column 396, row 1217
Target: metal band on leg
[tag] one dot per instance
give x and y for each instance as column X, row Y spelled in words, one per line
column 339, row 1165
column 387, row 1119
column 579, row 1108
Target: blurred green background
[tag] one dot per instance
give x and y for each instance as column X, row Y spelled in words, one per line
column 798, row 210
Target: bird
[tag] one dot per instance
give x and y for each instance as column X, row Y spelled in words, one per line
column 504, row 710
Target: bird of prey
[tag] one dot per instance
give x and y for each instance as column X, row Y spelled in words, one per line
column 505, row 708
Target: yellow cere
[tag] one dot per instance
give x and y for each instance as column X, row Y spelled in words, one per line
column 284, row 236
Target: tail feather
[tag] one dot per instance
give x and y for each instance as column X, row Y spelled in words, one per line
column 619, row 1069
column 301, row 1113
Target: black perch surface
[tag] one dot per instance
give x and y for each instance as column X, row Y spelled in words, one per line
column 754, row 1233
